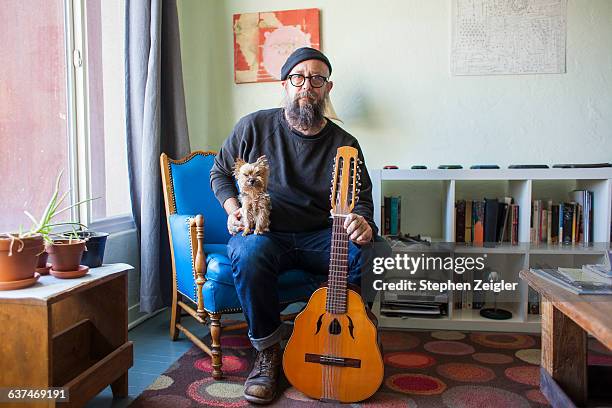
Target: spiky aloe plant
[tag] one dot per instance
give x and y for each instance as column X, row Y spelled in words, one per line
column 45, row 225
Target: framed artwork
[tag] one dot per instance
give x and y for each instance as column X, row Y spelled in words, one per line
column 263, row 41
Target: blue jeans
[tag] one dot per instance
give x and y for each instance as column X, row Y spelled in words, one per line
column 257, row 261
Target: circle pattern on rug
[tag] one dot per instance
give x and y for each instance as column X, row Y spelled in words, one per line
column 161, row 383
column 402, row 359
column 163, row 401
column 417, row 384
column 231, row 364
column 529, row 375
column 226, row 393
column 235, row 341
column 531, row 356
column 395, row 340
column 492, row 358
column 536, row 396
column 387, row 400
column 465, row 372
column 478, row 396
column 447, row 335
column 503, row 340
column 450, row 348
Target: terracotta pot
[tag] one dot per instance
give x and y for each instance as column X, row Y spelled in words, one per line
column 42, row 260
column 65, row 255
column 22, row 262
column 96, row 242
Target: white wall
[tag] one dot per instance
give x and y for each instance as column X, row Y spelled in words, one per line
column 394, row 90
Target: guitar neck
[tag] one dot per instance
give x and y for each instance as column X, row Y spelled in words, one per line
column 338, row 268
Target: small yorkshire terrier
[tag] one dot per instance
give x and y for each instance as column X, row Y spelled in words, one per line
column 253, row 183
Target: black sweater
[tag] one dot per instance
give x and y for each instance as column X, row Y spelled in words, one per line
column 301, row 168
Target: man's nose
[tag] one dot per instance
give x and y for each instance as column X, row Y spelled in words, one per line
column 307, row 85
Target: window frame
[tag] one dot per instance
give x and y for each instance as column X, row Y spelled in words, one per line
column 75, row 25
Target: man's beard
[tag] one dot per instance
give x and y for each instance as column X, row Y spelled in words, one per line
column 307, row 115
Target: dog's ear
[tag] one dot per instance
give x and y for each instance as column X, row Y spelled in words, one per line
column 262, row 161
column 238, row 163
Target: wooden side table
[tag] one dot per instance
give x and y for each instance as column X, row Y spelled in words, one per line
column 68, row 333
column 566, row 320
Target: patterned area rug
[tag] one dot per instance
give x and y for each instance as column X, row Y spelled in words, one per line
column 422, row 369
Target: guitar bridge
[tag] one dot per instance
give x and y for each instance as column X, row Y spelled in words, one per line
column 332, row 360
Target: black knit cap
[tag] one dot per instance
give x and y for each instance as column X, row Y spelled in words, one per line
column 303, row 54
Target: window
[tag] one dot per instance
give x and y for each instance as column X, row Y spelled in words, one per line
column 33, row 108
column 106, row 87
column 62, row 106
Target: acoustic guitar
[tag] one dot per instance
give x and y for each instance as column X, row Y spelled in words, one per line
column 333, row 353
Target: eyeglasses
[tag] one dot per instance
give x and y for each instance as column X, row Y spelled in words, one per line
column 316, row 81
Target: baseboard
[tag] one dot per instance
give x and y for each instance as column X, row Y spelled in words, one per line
column 135, row 317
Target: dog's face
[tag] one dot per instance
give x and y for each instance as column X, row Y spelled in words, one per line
column 252, row 177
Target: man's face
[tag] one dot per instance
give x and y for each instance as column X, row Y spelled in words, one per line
column 305, row 104
column 308, row 68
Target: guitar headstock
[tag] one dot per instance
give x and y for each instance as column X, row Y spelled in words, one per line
column 345, row 180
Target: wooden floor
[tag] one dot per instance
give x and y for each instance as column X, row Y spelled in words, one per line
column 154, row 352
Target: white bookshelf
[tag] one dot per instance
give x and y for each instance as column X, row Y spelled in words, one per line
column 428, row 208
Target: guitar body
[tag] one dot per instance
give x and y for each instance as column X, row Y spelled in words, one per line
column 350, row 336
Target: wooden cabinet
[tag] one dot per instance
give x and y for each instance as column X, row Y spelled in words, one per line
column 69, row 333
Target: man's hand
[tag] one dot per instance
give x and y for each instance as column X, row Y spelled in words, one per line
column 234, row 224
column 358, row 229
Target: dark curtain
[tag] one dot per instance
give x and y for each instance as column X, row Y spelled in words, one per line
column 156, row 122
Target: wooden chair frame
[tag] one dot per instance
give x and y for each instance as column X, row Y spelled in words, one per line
column 196, row 235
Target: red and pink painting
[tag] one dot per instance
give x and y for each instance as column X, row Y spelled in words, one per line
column 263, row 41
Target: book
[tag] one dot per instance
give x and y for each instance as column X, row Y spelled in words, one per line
column 514, row 222
column 554, row 224
column 502, row 221
column 393, row 216
column 387, row 216
column 579, row 287
column 468, row 221
column 491, row 209
column 460, row 221
column 568, row 217
column 604, row 269
column 478, row 217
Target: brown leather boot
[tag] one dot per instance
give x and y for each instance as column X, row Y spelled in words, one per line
column 260, row 386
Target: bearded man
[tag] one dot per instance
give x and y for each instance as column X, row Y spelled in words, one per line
column 300, row 143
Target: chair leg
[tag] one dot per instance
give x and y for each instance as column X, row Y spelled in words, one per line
column 215, row 333
column 175, row 317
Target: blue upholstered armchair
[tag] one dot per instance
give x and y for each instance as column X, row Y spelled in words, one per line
column 203, row 285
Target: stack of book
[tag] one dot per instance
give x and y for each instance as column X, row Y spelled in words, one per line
column 605, row 269
column 488, row 220
column 392, row 215
column 421, row 303
column 578, row 281
column 563, row 223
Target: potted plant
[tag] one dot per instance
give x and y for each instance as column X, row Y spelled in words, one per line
column 96, row 243
column 66, row 256
column 18, row 255
column 19, row 251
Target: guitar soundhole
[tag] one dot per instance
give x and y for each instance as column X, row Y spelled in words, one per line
column 319, row 322
column 334, row 327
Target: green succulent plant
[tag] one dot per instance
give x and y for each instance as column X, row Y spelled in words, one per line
column 45, row 225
